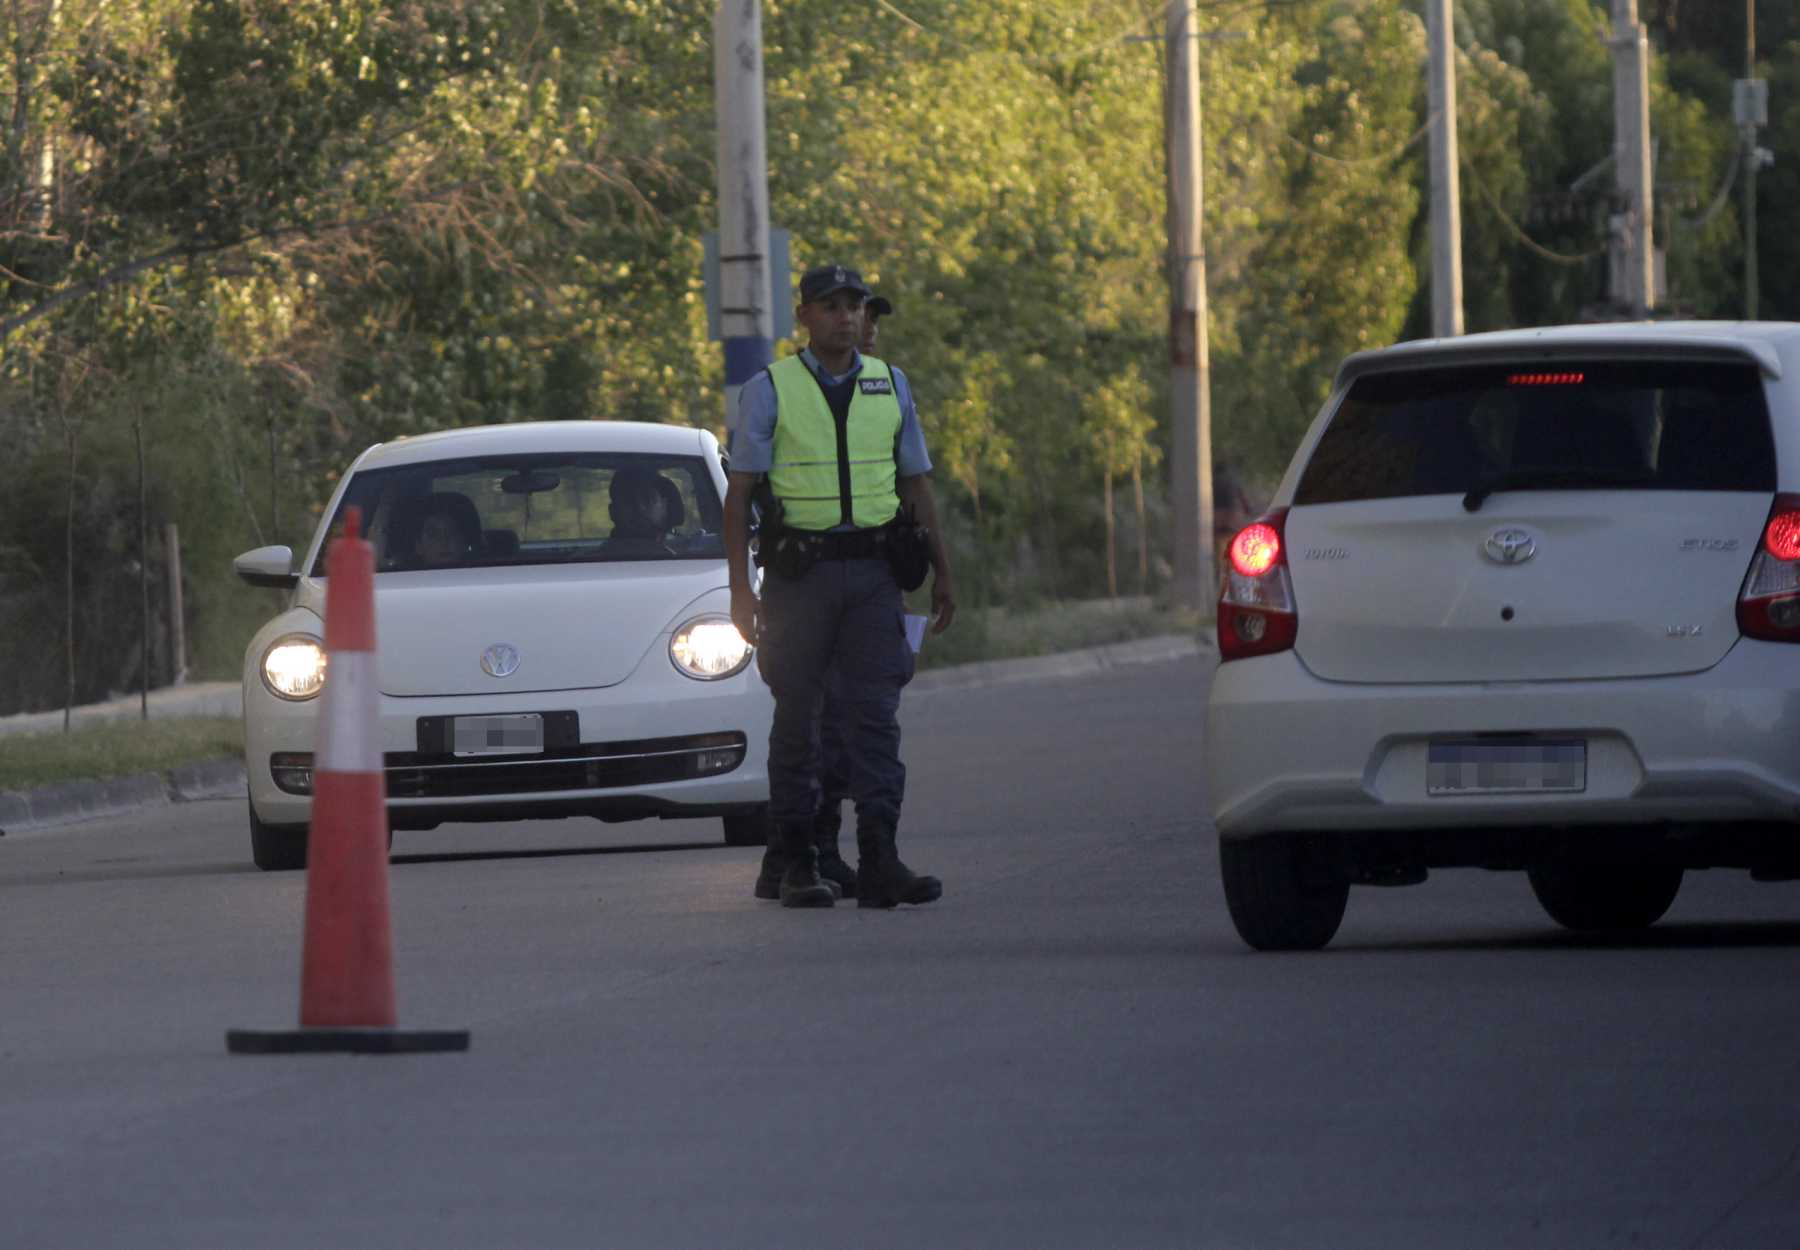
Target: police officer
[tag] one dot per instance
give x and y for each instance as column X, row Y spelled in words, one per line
column 838, row 437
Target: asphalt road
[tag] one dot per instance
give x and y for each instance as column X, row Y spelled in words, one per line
column 1071, row 1050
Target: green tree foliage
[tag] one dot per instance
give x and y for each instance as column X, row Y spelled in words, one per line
column 270, row 232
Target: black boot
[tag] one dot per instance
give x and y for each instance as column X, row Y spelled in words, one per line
column 881, row 879
column 800, row 884
column 832, row 868
column 774, row 863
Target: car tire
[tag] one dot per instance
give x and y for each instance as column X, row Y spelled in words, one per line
column 1285, row 892
column 1588, row 897
column 748, row 826
column 276, row 848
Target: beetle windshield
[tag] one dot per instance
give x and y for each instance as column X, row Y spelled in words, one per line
column 536, row 509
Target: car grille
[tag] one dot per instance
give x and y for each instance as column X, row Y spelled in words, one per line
column 594, row 766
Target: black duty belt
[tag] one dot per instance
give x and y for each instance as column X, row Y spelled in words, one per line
column 868, row 544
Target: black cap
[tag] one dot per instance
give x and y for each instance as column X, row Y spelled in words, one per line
column 878, row 306
column 826, row 279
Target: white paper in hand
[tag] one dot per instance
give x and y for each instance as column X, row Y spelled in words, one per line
column 915, row 631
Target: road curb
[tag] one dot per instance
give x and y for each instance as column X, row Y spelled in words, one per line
column 1155, row 650
column 78, row 802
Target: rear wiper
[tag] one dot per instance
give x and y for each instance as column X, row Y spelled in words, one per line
column 1545, row 477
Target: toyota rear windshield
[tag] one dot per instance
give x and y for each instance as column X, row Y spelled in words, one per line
column 1563, row 425
column 584, row 507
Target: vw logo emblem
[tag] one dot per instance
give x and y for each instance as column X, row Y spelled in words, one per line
column 1510, row 545
column 500, row 660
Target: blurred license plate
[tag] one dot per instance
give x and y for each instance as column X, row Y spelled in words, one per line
column 498, row 735
column 1507, row 766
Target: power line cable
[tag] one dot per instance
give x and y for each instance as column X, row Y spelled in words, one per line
column 1518, row 231
column 1355, row 161
column 1724, row 193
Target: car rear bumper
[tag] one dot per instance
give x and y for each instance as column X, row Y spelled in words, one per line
column 1286, row 751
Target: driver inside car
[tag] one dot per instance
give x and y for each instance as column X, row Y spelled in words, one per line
column 640, row 514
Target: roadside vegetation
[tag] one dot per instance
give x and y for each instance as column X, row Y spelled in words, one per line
column 240, row 240
column 117, row 749
column 1006, row 634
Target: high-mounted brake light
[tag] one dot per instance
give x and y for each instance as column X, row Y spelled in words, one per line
column 1256, row 595
column 1769, row 605
column 1546, row 379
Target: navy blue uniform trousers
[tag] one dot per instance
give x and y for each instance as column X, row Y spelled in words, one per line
column 843, row 621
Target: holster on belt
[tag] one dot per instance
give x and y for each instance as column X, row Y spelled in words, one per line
column 785, row 552
column 908, row 549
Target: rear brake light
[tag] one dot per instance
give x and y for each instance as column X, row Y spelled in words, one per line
column 1256, row 595
column 1256, row 549
column 1546, row 379
column 1781, row 536
column 1769, row 605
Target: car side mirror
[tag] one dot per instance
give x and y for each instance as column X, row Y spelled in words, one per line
column 272, row 567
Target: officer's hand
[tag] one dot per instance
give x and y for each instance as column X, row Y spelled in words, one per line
column 744, row 613
column 943, row 604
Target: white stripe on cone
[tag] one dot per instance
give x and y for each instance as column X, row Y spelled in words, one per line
column 350, row 721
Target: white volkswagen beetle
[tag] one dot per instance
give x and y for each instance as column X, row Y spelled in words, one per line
column 554, row 635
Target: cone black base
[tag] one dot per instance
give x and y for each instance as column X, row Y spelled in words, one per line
column 354, row 1041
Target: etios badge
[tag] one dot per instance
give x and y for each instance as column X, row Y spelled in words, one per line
column 1511, row 545
column 500, row 660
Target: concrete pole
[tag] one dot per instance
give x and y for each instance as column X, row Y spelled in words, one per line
column 1631, row 158
column 1446, row 190
column 1190, row 409
column 1751, row 280
column 746, row 319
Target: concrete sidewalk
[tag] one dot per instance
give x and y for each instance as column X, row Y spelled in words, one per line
column 76, row 802
column 202, row 698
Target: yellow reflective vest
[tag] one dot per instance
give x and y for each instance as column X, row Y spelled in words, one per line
column 818, row 460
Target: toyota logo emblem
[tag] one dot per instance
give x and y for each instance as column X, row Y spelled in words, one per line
column 500, row 660
column 1510, row 545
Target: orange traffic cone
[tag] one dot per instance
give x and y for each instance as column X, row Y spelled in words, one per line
column 347, row 966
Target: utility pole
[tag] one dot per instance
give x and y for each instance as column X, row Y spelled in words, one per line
column 747, row 320
column 1750, row 106
column 1446, row 191
column 1190, row 414
column 1633, row 260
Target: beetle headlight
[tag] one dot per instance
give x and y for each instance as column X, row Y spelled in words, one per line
column 708, row 648
column 293, row 667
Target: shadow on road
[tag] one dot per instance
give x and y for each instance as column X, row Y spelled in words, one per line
column 116, row 870
column 553, row 852
column 1681, row 936
column 144, row 867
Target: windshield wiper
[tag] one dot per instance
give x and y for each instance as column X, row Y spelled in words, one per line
column 1542, row 478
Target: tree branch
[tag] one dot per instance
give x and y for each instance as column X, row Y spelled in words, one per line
column 193, row 251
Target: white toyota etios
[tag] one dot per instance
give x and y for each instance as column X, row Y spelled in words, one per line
column 554, row 634
column 1525, row 600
